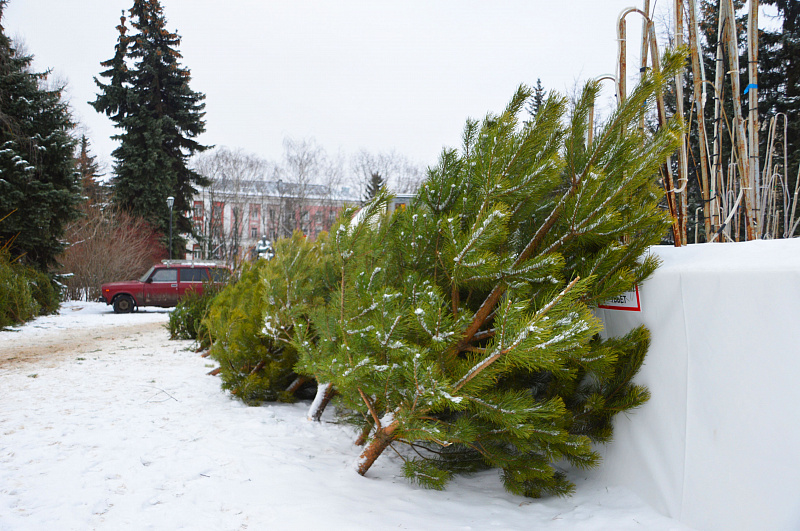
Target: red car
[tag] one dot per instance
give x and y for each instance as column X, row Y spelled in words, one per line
column 163, row 285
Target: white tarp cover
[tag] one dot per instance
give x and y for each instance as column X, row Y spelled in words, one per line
column 718, row 444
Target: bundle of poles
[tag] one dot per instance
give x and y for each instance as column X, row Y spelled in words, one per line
column 740, row 198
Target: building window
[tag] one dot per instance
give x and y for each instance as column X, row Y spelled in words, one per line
column 255, row 218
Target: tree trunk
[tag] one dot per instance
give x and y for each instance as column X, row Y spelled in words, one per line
column 296, row 384
column 383, row 438
column 325, row 392
column 362, row 438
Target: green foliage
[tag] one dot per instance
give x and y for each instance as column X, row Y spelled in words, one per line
column 25, row 292
column 44, row 291
column 38, row 188
column 462, row 326
column 251, row 321
column 373, row 186
column 148, row 97
column 17, row 304
column 594, row 401
column 186, row 320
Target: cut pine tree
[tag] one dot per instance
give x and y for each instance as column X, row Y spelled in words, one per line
column 462, row 327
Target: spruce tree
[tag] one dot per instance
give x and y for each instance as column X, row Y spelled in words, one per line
column 373, row 186
column 462, row 325
column 537, row 100
column 39, row 190
column 89, row 173
column 148, row 97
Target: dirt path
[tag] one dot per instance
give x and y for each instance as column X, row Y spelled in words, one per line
column 54, row 346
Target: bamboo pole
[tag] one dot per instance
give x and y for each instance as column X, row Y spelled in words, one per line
column 669, row 181
column 622, row 40
column 716, row 162
column 590, row 131
column 648, row 38
column 622, row 55
column 741, row 148
column 768, row 193
column 792, row 223
column 646, row 22
column 683, row 159
column 752, row 102
column 698, row 78
column 788, row 232
column 787, row 197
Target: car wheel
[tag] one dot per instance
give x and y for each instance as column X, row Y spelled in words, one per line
column 123, row 304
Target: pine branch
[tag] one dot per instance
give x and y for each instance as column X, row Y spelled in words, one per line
column 500, row 353
column 371, row 409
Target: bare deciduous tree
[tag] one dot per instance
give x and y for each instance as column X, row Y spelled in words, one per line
column 232, row 174
column 310, row 187
column 106, row 245
column 398, row 172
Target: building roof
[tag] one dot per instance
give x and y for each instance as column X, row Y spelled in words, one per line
column 278, row 189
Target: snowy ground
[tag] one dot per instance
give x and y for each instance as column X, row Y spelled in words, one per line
column 106, row 424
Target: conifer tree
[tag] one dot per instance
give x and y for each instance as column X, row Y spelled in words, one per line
column 89, row 172
column 373, row 186
column 39, row 190
column 251, row 322
column 537, row 100
column 148, row 97
column 462, row 326
column 779, row 77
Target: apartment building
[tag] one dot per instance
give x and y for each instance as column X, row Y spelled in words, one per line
column 230, row 217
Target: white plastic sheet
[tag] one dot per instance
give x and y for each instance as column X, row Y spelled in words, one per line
column 718, row 444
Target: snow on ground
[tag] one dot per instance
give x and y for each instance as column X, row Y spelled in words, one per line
column 106, row 424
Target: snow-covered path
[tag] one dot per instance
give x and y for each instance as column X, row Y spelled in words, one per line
column 106, row 424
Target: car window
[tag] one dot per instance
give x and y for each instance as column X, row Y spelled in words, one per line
column 146, row 275
column 219, row 274
column 165, row 275
column 191, row 274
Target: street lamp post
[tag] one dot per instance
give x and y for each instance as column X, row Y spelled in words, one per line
column 170, row 202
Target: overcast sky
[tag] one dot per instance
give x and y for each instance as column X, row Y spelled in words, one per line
column 352, row 74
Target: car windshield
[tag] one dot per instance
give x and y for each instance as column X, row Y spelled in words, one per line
column 147, row 275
